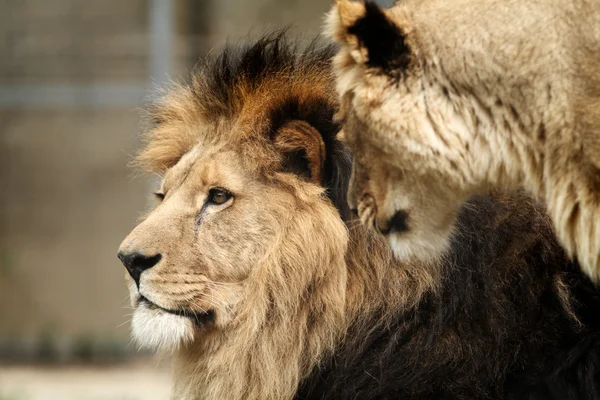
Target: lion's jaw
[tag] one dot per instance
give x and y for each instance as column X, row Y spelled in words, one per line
column 153, row 328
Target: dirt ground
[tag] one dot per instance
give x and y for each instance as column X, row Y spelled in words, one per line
column 123, row 382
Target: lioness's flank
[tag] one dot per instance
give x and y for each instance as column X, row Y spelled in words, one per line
column 445, row 99
column 254, row 273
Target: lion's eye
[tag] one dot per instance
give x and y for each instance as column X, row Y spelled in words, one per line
column 159, row 195
column 218, row 196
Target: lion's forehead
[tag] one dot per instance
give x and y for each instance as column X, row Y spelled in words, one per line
column 229, row 164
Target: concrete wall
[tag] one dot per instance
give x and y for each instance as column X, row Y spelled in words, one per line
column 67, row 201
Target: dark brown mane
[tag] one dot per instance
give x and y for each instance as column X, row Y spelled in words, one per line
column 237, row 69
column 267, row 83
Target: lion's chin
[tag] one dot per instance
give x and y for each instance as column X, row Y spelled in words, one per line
column 416, row 248
column 156, row 329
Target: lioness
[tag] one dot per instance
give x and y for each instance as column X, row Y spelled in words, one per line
column 254, row 273
column 445, row 99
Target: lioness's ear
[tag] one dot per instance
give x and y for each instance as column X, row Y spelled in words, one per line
column 302, row 148
column 371, row 37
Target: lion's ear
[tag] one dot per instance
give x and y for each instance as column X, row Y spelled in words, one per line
column 371, row 36
column 302, row 148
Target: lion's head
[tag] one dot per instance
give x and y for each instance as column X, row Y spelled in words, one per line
column 416, row 218
column 418, row 157
column 240, row 266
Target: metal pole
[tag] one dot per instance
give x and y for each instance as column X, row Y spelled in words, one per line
column 161, row 41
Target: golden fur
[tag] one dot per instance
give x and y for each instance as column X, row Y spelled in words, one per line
column 275, row 266
column 452, row 98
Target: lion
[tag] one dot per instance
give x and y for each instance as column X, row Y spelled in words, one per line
column 446, row 99
column 254, row 273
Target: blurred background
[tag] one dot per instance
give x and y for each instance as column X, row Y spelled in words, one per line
column 73, row 77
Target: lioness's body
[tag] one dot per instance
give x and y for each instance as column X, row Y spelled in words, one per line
column 277, row 292
column 482, row 94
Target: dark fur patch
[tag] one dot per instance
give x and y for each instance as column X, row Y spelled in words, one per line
column 385, row 43
column 541, row 132
column 496, row 329
column 319, row 113
column 249, row 66
column 399, row 222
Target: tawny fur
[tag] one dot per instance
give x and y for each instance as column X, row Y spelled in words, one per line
column 495, row 94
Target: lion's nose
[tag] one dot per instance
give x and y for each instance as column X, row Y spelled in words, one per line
column 398, row 223
column 137, row 262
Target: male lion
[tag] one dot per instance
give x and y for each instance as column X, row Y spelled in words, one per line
column 254, row 273
column 445, row 99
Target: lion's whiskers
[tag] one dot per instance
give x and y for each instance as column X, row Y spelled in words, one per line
column 128, row 321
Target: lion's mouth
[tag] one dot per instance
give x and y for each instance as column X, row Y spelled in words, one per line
column 198, row 318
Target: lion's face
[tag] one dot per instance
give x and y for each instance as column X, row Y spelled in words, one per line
column 416, row 215
column 205, row 237
column 413, row 148
column 192, row 259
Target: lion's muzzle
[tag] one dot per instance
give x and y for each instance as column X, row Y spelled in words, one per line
column 137, row 262
column 398, row 223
